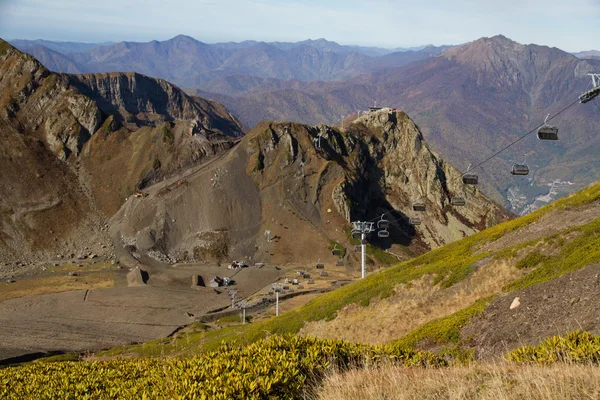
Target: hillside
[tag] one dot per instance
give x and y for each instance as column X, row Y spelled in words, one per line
column 278, row 199
column 458, row 296
column 279, row 179
column 76, row 146
column 469, row 101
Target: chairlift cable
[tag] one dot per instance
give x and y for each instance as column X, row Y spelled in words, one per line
column 524, row 136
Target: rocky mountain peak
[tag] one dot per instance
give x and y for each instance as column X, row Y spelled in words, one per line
column 380, row 164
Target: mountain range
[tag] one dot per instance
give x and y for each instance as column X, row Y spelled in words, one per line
column 190, row 63
column 469, row 100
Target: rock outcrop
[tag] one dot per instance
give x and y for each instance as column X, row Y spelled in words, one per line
column 288, row 192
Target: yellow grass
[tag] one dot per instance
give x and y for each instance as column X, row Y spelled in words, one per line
column 412, row 306
column 482, row 382
column 55, row 284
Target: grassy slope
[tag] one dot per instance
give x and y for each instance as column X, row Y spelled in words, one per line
column 449, row 264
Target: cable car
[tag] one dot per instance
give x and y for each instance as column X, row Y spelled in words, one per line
column 548, row 132
column 520, row 169
column 383, row 233
column 335, row 251
column 458, row 201
column 415, row 221
column 470, row 179
column 419, row 206
column 383, row 223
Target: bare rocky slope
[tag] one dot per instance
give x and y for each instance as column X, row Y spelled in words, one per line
column 280, row 182
column 75, row 147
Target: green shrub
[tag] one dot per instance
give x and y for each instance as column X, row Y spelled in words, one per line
column 575, row 347
column 531, row 260
column 278, row 367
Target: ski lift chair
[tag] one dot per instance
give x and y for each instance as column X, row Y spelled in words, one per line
column 383, row 233
column 547, row 132
column 419, row 206
column 520, row 169
column 470, row 179
column 335, row 251
column 383, row 223
column 458, row 201
column 415, row 221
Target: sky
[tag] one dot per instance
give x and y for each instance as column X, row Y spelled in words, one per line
column 571, row 25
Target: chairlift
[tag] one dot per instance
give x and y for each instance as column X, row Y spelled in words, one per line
column 383, row 223
column 415, row 221
column 548, row 132
column 419, row 206
column 335, row 251
column 383, row 233
column 593, row 92
column 470, row 179
column 520, row 169
column 356, row 234
column 458, row 201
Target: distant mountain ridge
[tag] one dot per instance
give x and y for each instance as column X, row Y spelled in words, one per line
column 190, row 63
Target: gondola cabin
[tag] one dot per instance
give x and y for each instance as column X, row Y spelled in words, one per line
column 419, row 206
column 470, row 179
column 520, row 169
column 458, row 201
column 548, row 132
column 383, row 224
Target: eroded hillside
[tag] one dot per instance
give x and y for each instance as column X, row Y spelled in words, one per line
column 75, row 147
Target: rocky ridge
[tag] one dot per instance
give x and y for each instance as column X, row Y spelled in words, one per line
column 304, row 192
column 75, row 147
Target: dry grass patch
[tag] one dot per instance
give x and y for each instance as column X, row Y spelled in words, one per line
column 493, row 382
column 413, row 305
column 55, row 284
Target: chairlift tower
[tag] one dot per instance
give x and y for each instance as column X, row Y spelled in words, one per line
column 362, row 229
column 317, row 140
column 277, row 289
column 243, row 305
column 593, row 92
column 232, row 294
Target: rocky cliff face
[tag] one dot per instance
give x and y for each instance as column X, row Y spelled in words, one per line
column 381, row 164
column 75, row 147
column 139, row 100
column 287, row 192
